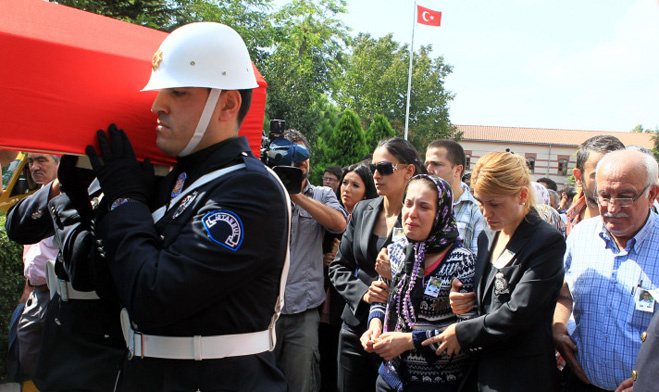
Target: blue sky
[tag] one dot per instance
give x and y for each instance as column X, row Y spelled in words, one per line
column 567, row 64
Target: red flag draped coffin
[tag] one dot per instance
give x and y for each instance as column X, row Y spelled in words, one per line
column 65, row 73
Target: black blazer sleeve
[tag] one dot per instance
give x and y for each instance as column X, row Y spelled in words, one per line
column 351, row 272
column 29, row 221
column 535, row 280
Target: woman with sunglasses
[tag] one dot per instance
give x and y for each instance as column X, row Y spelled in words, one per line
column 519, row 272
column 353, row 270
column 424, row 263
column 356, row 184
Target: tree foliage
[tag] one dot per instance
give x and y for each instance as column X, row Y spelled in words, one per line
column 305, row 62
column 157, row 14
column 379, row 129
column 376, row 83
column 347, row 143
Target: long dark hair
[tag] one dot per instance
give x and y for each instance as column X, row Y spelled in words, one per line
column 405, row 152
column 367, row 177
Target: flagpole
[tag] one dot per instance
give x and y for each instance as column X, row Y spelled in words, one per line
column 409, row 77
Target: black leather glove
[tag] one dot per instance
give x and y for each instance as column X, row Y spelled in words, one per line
column 120, row 174
column 75, row 182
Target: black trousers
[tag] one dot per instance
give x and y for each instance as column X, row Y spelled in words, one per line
column 357, row 369
column 573, row 384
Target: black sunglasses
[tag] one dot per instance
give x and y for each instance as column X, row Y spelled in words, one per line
column 386, row 168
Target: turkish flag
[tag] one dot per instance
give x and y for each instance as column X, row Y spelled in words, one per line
column 428, row 17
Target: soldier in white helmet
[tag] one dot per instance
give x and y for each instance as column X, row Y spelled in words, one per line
column 200, row 277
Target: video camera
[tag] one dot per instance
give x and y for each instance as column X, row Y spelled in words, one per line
column 280, row 154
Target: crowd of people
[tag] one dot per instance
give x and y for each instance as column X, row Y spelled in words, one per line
column 398, row 274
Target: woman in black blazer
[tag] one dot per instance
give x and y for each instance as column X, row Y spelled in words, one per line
column 353, row 270
column 519, row 272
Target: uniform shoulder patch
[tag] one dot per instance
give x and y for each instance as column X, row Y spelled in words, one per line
column 225, row 228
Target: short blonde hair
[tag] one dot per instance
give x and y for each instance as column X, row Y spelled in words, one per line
column 503, row 173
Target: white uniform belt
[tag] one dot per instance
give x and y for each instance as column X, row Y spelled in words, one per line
column 196, row 347
column 64, row 288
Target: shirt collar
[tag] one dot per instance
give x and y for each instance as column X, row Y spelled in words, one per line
column 466, row 195
column 639, row 238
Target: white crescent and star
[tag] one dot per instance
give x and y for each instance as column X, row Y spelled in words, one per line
column 425, row 18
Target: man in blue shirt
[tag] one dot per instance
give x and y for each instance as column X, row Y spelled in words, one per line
column 315, row 210
column 609, row 260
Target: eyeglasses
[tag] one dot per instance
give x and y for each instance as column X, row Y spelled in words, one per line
column 621, row 202
column 386, row 168
column 330, row 179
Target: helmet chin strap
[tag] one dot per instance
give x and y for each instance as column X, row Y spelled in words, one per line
column 204, row 120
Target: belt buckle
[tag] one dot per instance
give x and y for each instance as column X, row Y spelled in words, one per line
column 131, row 347
column 63, row 289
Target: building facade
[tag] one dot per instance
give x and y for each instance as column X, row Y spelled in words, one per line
column 550, row 152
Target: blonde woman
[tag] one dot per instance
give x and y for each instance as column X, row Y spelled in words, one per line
column 519, row 272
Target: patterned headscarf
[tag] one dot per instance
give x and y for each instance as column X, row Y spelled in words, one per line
column 443, row 234
column 541, row 193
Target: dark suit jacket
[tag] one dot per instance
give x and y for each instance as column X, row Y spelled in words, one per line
column 647, row 363
column 353, row 269
column 512, row 336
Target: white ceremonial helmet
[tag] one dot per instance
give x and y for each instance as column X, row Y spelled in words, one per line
column 204, row 54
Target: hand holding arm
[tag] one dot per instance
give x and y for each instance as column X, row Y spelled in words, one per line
column 448, row 341
column 461, row 303
column 382, row 265
column 392, row 344
column 378, row 291
column 562, row 340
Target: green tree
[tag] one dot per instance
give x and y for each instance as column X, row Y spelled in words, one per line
column 11, row 286
column 375, row 82
column 250, row 18
column 379, row 129
column 328, row 118
column 157, row 14
column 346, row 144
column 305, row 62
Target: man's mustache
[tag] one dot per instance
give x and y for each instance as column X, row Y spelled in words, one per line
column 616, row 215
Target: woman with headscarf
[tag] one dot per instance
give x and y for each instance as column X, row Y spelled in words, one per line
column 373, row 224
column 423, row 262
column 545, row 210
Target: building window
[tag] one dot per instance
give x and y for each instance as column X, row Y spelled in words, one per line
column 562, row 167
column 530, row 161
column 467, row 162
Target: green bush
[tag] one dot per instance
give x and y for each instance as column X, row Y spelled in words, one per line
column 11, row 287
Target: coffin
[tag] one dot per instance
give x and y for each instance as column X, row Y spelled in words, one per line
column 65, row 73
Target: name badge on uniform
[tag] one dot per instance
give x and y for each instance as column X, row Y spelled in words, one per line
column 397, row 234
column 432, row 288
column 504, row 259
column 500, row 284
column 185, row 203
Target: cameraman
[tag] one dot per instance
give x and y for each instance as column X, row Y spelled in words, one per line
column 315, row 210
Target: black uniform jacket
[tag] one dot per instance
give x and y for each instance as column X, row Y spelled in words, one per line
column 211, row 266
column 353, row 269
column 512, row 337
column 647, row 363
column 82, row 346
